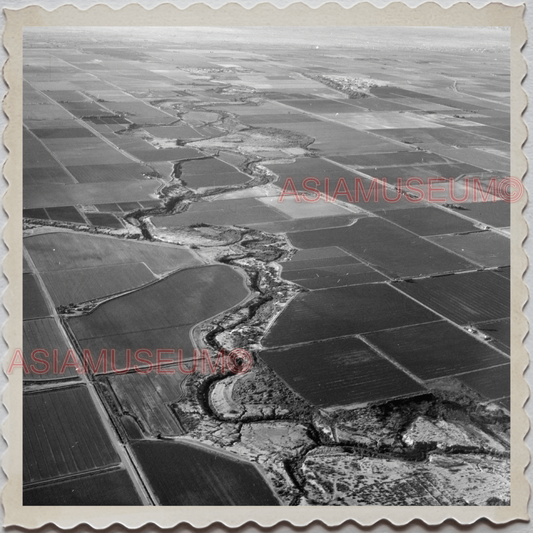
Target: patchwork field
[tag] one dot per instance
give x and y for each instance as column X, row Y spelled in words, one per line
column 184, row 191
column 340, row 372
column 329, row 313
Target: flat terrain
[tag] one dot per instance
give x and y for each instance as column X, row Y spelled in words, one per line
column 54, row 252
column 184, row 474
column 339, row 372
column 336, row 210
column 50, row 451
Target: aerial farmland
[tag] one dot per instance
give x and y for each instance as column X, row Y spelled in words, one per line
column 266, row 266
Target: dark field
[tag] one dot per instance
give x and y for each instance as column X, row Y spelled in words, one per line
column 106, row 488
column 44, row 334
column 389, row 248
column 65, row 214
column 492, row 383
column 64, row 435
column 463, row 298
column 435, row 350
column 104, row 220
column 185, row 474
column 427, row 221
column 339, row 372
column 33, row 303
column 345, row 311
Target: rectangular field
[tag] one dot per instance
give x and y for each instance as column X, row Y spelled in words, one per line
column 63, row 435
column 185, row 474
column 463, row 298
column 492, row 383
column 149, row 399
column 44, row 334
column 435, row 350
column 120, row 351
column 108, row 173
column 344, row 311
column 66, row 251
column 83, row 284
column 185, row 297
column 499, row 331
column 339, row 372
column 427, row 220
column 34, row 304
column 55, row 195
column 105, row 488
column 392, row 250
column 497, row 214
column 485, row 248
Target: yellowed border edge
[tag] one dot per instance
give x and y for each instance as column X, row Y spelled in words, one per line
column 397, row 14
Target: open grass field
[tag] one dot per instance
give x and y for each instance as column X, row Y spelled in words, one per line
column 83, row 284
column 184, row 474
column 65, row 214
column 52, row 195
column 477, row 296
column 343, row 311
column 34, row 304
column 339, row 372
column 106, row 488
column 44, row 334
column 435, row 350
column 63, row 435
column 186, row 297
column 66, row 251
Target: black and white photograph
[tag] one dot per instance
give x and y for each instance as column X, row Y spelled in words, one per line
column 266, row 266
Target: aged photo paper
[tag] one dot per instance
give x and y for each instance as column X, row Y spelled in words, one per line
column 265, row 265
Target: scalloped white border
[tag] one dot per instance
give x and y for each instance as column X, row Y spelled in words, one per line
column 331, row 14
